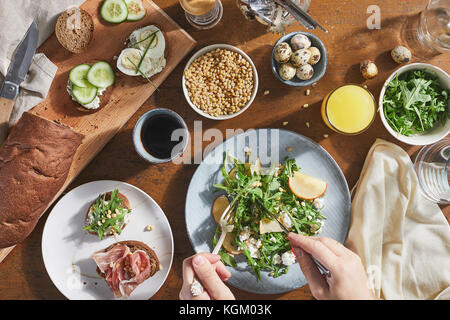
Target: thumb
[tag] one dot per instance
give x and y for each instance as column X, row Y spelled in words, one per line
column 209, row 278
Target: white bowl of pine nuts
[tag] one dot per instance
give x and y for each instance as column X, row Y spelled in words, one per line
column 220, row 81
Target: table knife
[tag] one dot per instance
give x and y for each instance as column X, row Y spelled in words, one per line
column 18, row 69
column 320, row 266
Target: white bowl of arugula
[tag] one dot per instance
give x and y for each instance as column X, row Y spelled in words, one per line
column 414, row 105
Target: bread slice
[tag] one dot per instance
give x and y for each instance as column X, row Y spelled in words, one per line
column 137, row 245
column 74, row 29
column 124, row 204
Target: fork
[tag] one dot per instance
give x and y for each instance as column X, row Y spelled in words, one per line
column 226, row 224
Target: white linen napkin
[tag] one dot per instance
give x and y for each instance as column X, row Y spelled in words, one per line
column 15, row 18
column 402, row 238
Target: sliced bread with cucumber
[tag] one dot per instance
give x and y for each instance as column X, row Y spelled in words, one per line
column 88, row 84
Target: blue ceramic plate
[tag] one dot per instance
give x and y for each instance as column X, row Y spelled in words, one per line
column 270, row 145
column 319, row 68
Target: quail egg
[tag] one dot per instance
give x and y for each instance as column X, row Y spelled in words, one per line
column 305, row 72
column 300, row 57
column 368, row 69
column 282, row 52
column 287, row 71
column 300, row 41
column 401, row 54
column 315, row 55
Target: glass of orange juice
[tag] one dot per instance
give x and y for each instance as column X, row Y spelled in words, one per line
column 349, row 109
column 202, row 14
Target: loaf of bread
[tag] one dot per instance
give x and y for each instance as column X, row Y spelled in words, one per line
column 34, row 163
column 74, row 29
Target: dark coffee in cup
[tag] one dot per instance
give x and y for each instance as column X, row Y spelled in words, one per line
column 160, row 135
column 156, row 135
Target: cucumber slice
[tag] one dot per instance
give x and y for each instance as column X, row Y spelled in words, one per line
column 136, row 10
column 114, row 11
column 78, row 75
column 84, row 95
column 101, row 75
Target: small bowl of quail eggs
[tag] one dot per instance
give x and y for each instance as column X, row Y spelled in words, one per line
column 299, row 59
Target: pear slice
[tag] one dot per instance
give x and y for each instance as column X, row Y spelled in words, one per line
column 219, row 206
column 307, row 187
column 227, row 244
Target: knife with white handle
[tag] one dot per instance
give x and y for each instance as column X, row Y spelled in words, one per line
column 17, row 71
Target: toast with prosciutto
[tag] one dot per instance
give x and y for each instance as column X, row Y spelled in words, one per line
column 125, row 265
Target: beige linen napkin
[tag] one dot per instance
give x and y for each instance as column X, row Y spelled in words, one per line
column 15, row 18
column 402, row 238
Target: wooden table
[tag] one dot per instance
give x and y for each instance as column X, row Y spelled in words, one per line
column 23, row 275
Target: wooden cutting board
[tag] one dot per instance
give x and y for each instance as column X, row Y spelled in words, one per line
column 125, row 97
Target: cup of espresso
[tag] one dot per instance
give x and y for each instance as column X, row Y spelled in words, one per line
column 160, row 135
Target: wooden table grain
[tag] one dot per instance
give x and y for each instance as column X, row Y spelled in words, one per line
column 22, row 273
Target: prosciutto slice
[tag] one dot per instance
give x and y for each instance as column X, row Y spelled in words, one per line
column 105, row 260
column 124, row 270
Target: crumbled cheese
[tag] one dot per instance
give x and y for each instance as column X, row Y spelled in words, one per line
column 253, row 246
column 318, row 203
column 244, row 234
column 277, row 259
column 287, row 222
column 288, row 258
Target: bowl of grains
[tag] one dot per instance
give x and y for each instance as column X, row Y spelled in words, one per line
column 220, row 81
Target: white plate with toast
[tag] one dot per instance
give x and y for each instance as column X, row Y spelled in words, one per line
column 66, row 247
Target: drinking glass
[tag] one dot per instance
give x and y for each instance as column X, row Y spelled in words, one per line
column 202, row 14
column 350, row 109
column 432, row 168
column 434, row 26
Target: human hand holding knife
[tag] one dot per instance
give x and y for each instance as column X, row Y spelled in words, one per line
column 17, row 72
column 321, row 268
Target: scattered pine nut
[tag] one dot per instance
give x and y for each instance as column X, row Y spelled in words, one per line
column 305, row 105
column 266, row 92
column 307, row 124
column 365, row 86
column 285, row 123
column 307, row 92
column 149, row 228
column 325, row 135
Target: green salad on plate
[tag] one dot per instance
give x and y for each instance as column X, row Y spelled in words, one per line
column 293, row 197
